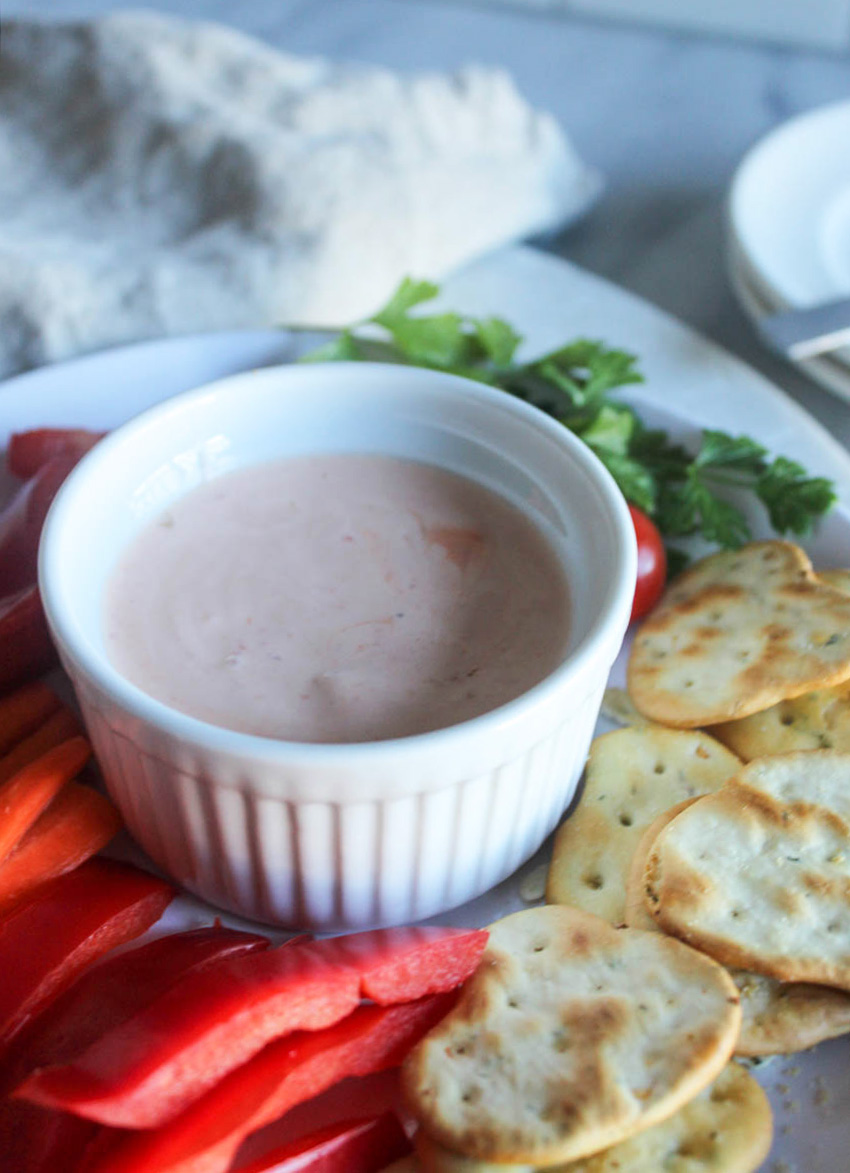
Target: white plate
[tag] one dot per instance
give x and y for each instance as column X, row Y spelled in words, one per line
column 830, row 370
column 790, row 208
column 691, row 384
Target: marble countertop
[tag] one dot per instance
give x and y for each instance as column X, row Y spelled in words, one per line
column 666, row 116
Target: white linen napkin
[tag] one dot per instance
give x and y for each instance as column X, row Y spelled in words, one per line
column 162, row 176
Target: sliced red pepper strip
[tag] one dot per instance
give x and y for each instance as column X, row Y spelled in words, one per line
column 146, row 1072
column 31, row 450
column 29, row 792
column 76, row 825
column 40, row 1140
column 351, row 1146
column 398, row 965
column 23, row 711
column 24, row 637
column 117, row 988
column 205, row 1138
column 58, row 727
column 65, row 925
column 21, row 522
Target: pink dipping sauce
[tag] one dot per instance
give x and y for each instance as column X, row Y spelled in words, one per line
column 338, row 598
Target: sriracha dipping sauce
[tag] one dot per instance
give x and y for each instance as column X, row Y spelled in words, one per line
column 338, row 598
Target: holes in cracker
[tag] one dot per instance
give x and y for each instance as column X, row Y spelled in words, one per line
column 660, row 768
column 786, row 719
column 626, row 819
column 471, row 1095
column 593, row 881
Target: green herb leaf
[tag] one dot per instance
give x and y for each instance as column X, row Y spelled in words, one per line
column 344, row 348
column 611, row 430
column 793, row 499
column 685, row 494
column 635, row 483
column 720, row 450
column 408, row 294
column 498, row 340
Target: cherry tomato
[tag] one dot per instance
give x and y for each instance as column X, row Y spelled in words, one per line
column 651, row 564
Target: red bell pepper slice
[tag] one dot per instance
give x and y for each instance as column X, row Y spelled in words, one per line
column 351, row 1146
column 40, row 1140
column 147, row 1071
column 205, row 1138
column 24, row 711
column 398, row 965
column 116, row 989
column 24, row 637
column 65, row 925
column 21, row 522
column 30, row 451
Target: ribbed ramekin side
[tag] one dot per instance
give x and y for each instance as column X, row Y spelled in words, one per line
column 335, row 865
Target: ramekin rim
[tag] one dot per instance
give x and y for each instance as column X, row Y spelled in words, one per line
column 601, row 640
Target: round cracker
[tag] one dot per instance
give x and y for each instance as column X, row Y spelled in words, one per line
column 736, row 633
column 631, row 776
column 815, row 720
column 570, row 1037
column 728, row 1127
column 758, row 874
column 776, row 1017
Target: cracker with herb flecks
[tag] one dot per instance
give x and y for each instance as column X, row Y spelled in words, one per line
column 837, row 576
column 758, row 874
column 726, row 1128
column 815, row 720
column 571, row 1036
column 776, row 1017
column 632, row 775
column 736, row 633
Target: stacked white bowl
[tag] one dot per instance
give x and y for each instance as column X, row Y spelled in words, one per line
column 789, row 226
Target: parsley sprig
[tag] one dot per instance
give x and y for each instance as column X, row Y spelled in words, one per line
column 685, row 493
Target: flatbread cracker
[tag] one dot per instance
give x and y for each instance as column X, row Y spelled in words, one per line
column 632, row 775
column 638, row 915
column 838, row 577
column 776, row 1017
column 728, row 1127
column 758, row 874
column 436, row 1158
column 736, row 633
column 570, row 1037
column 815, row 720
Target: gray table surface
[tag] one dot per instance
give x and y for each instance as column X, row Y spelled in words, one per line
column 666, row 116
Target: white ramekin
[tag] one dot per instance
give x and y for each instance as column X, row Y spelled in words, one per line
column 340, row 836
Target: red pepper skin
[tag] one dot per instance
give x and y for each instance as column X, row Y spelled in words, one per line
column 29, row 451
column 66, row 925
column 21, row 522
column 211, row 1022
column 205, row 1138
column 116, row 989
column 24, row 637
column 352, row 1146
column 398, row 965
column 204, row 1026
column 39, row 1140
